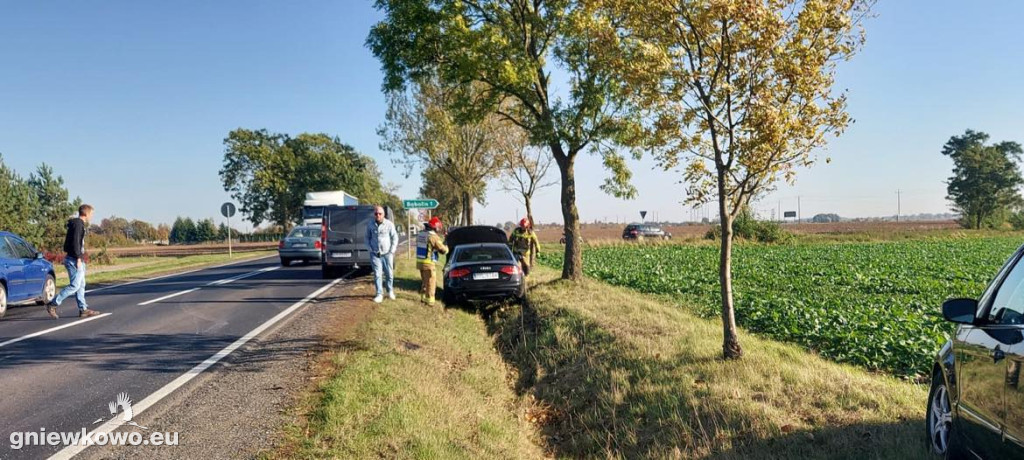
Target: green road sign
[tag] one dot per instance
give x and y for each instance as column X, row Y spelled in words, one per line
column 426, row 203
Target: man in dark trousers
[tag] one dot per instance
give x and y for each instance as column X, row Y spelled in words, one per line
column 74, row 249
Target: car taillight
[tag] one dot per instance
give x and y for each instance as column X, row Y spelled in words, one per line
column 458, row 272
column 280, row 245
column 316, row 244
column 510, row 270
column 323, row 231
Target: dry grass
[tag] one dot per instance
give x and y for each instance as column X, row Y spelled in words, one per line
column 626, row 375
column 418, row 382
column 844, row 231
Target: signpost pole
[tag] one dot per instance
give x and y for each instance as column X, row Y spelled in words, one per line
column 228, row 210
column 229, row 239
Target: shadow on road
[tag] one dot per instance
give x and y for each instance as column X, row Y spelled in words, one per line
column 158, row 353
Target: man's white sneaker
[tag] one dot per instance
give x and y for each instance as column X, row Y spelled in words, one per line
column 378, row 299
column 391, row 295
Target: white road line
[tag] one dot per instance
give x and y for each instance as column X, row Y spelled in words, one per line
column 176, row 294
column 242, row 276
column 52, row 329
column 116, row 422
column 175, row 274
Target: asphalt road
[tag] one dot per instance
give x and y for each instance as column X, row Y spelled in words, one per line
column 153, row 333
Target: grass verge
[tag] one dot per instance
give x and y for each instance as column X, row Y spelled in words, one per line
column 131, row 268
column 416, row 382
column 627, row 375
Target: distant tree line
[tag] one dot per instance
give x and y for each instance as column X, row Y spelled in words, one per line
column 985, row 181
column 187, row 231
column 35, row 208
column 269, row 174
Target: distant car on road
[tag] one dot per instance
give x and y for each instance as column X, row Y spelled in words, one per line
column 644, row 231
column 302, row 243
column 343, row 238
column 480, row 266
column 25, row 276
column 976, row 402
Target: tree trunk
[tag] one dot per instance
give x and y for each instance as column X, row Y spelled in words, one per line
column 572, row 264
column 730, row 343
column 467, row 209
column 527, row 200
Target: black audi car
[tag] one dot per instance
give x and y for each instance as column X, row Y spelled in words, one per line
column 976, row 403
column 480, row 266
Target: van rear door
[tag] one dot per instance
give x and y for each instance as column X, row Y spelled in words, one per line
column 346, row 235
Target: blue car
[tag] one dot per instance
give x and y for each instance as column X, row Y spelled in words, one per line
column 25, row 276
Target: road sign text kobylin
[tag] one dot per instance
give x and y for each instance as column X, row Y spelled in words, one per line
column 426, row 203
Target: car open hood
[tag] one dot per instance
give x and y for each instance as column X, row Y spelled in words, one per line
column 475, row 234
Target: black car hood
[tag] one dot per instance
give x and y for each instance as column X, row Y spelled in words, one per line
column 475, row 234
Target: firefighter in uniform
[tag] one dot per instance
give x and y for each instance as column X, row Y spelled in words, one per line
column 524, row 244
column 428, row 245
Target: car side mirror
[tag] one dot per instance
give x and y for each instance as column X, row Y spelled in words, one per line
column 960, row 311
column 40, row 256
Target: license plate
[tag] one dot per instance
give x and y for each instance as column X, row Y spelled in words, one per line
column 300, row 245
column 341, row 254
column 485, row 276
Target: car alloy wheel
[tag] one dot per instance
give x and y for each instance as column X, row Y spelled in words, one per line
column 49, row 290
column 940, row 418
column 3, row 301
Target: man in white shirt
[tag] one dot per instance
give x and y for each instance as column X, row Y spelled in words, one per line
column 382, row 239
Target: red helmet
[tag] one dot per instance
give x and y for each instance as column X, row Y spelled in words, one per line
column 434, row 223
column 525, row 223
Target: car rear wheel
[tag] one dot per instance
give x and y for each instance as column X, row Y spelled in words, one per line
column 326, row 272
column 448, row 298
column 285, row 262
column 49, row 291
column 941, row 438
column 3, row 300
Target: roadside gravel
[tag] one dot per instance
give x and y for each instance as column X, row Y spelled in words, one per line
column 237, row 408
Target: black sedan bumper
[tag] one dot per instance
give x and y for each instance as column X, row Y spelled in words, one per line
column 483, row 290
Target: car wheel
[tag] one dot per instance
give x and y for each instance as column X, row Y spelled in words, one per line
column 939, row 419
column 448, row 298
column 49, row 291
column 326, row 272
column 285, row 262
column 3, row 300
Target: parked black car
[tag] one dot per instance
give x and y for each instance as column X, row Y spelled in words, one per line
column 343, row 238
column 644, row 231
column 976, row 402
column 480, row 266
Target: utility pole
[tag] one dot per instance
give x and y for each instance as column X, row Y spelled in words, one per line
column 780, row 210
column 897, row 206
column 799, row 214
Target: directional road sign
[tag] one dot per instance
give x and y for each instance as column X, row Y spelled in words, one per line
column 424, row 203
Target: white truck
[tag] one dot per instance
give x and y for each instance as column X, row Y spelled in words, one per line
column 313, row 206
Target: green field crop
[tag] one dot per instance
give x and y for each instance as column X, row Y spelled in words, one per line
column 875, row 305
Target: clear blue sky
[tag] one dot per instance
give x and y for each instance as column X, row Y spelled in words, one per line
column 130, row 102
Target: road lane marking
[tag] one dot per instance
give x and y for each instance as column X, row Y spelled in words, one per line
column 242, row 276
column 176, row 294
column 52, row 329
column 176, row 274
column 213, row 283
column 115, row 423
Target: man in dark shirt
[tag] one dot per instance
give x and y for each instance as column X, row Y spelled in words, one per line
column 74, row 249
